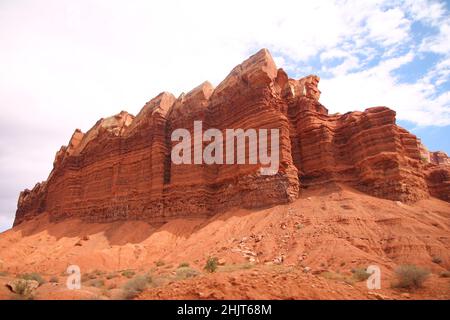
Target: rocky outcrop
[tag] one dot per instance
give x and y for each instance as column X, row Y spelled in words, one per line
column 121, row 168
column 439, row 157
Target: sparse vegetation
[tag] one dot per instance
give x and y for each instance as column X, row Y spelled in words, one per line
column 33, row 276
column 424, row 159
column 159, row 263
column 360, row 274
column 336, row 276
column 88, row 276
column 21, row 288
column 186, row 272
column 135, row 286
column 299, row 226
column 98, row 272
column 437, row 260
column 3, row 273
column 234, row 267
column 211, row 264
column 183, row 265
column 110, row 276
column 97, row 283
column 410, row 276
column 128, row 273
column 54, row 279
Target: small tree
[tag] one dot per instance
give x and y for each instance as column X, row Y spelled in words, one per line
column 135, row 286
column 211, row 264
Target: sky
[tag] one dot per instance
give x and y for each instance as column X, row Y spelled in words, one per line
column 66, row 64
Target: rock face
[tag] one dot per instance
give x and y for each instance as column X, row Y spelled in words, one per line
column 121, row 168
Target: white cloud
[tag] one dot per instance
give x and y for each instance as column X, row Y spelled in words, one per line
column 430, row 12
column 389, row 26
column 377, row 86
column 439, row 43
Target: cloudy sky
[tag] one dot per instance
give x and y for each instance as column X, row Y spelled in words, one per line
column 65, row 64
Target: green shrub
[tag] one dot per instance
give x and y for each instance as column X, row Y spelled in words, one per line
column 128, row 273
column 211, row 264
column 135, row 286
column 33, row 276
column 410, row 276
column 360, row 274
column 186, row 272
column 183, row 265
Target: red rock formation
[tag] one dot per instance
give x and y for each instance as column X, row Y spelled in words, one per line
column 121, row 168
column 439, row 157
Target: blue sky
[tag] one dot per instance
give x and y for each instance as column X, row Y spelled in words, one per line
column 426, row 64
column 65, row 64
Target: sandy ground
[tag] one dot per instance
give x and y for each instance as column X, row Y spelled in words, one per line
column 303, row 250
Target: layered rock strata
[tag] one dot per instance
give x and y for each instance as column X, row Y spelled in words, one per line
column 121, row 168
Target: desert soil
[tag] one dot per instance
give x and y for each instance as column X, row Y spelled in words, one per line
column 303, row 250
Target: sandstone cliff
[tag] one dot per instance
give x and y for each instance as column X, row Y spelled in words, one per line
column 121, row 168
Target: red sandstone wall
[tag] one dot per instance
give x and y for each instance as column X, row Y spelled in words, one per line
column 121, row 168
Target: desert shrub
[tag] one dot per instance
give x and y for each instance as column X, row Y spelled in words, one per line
column 211, row 264
column 333, row 276
column 98, row 272
column 33, row 276
column 445, row 274
column 88, row 276
column 183, row 265
column 159, row 263
column 186, row 272
column 161, row 280
column 336, row 276
column 21, row 288
column 110, row 276
column 54, row 279
column 135, row 286
column 410, row 276
column 3, row 273
column 360, row 274
column 97, row 283
column 234, row 267
column 128, row 273
column 437, row 260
